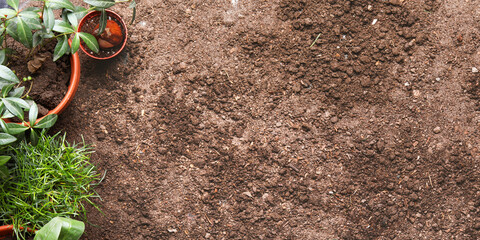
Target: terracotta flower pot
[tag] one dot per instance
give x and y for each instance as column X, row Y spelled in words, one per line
column 72, row 87
column 89, row 24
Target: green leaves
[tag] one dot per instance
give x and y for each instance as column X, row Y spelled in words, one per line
column 8, row 75
column 90, row 40
column 7, row 13
column 24, row 33
column 48, row 19
column 33, row 114
column 6, row 138
column 61, row 48
column 14, row 128
column 13, row 4
column 47, row 122
column 3, row 168
column 100, row 3
column 133, row 5
column 16, row 106
column 75, row 43
column 62, row 27
column 61, row 229
column 103, row 22
column 59, row 4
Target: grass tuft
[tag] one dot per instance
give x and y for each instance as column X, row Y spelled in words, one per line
column 50, row 179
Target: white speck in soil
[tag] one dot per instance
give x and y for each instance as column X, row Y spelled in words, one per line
column 474, row 70
column 437, row 130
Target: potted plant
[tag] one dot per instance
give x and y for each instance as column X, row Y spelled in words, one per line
column 113, row 38
column 36, row 27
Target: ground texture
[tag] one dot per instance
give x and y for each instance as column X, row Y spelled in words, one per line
column 287, row 119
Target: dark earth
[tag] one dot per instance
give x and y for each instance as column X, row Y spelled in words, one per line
column 231, row 120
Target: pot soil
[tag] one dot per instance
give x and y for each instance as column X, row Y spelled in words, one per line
column 111, row 46
column 54, row 83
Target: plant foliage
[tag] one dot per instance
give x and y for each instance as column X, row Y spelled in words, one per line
column 50, row 179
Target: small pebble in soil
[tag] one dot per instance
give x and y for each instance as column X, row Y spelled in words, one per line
column 474, row 70
column 334, row 119
column 437, row 130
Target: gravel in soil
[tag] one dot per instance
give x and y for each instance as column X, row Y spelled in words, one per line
column 286, row 119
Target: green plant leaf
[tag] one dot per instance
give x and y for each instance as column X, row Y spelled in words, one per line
column 34, row 137
column 3, row 169
column 8, row 75
column 17, row 92
column 48, row 19
column 102, row 22
column 12, row 28
column 15, row 128
column 80, row 12
column 61, row 48
column 7, row 13
column 4, row 160
column 3, row 56
column 4, row 125
column 75, row 43
column 90, row 40
column 18, row 101
column 29, row 14
column 6, row 138
column 31, row 18
column 47, row 122
column 13, row 4
column 33, row 114
column 72, row 18
column 37, row 38
column 6, row 113
column 24, row 33
column 63, row 27
column 133, row 6
column 14, row 107
column 6, row 89
column 60, row 228
column 100, row 3
column 59, row 4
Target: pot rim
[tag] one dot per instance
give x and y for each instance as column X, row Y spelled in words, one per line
column 117, row 17
column 72, row 87
column 6, row 230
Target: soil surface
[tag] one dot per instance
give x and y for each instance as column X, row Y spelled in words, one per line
column 49, row 80
column 286, row 119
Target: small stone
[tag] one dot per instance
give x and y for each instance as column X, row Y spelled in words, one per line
column 208, row 235
column 474, row 70
column 396, row 2
column 172, row 230
column 437, row 130
column 334, row 119
column 416, row 93
column 100, row 136
column 180, row 68
column 247, row 194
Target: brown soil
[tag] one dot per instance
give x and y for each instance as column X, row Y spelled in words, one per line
column 219, row 121
column 50, row 81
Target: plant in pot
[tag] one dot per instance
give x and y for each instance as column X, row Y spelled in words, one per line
column 108, row 28
column 36, row 29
